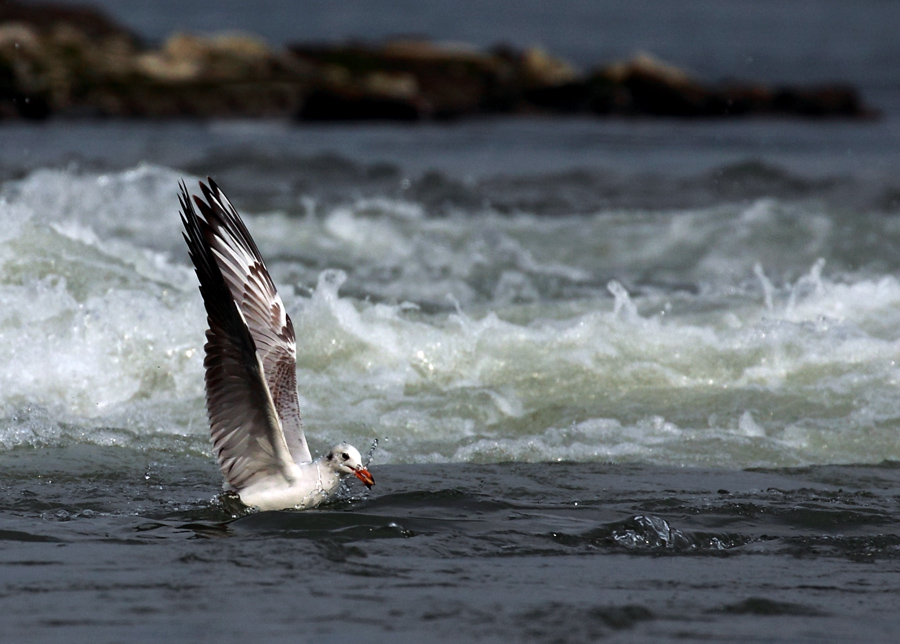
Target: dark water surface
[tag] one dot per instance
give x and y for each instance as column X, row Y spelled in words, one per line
column 131, row 547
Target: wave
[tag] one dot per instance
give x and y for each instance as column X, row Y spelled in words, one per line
column 711, row 336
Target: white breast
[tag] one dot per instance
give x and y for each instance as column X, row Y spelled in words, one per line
column 312, row 484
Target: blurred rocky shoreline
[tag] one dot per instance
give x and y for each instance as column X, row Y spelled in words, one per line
column 67, row 61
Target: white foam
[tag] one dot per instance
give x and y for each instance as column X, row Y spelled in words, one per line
column 461, row 338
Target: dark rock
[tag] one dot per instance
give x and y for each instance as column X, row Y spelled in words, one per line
column 64, row 72
column 653, row 87
column 72, row 61
column 571, row 97
column 824, row 101
column 336, row 105
column 34, row 108
column 44, row 17
column 413, row 77
column 740, row 100
column 409, row 76
column 647, row 86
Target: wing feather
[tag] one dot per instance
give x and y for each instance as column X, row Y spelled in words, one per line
column 251, row 286
column 247, row 433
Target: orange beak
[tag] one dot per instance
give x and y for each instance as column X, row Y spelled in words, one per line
column 363, row 475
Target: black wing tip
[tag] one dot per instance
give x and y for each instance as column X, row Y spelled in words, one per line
column 214, row 196
column 209, row 190
column 215, row 206
column 222, row 217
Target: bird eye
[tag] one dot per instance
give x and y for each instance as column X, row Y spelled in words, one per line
column 345, row 456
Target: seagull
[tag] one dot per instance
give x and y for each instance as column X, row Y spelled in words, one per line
column 251, row 369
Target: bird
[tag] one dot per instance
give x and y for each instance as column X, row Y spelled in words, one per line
column 251, row 368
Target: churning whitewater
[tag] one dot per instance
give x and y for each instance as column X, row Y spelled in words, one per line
column 760, row 333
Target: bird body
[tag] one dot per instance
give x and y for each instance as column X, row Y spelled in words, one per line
column 250, row 362
column 304, row 485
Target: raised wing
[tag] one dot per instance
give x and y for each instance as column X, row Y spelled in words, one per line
column 249, row 437
column 252, row 288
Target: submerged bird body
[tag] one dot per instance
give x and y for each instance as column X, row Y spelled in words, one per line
column 250, row 362
column 310, row 484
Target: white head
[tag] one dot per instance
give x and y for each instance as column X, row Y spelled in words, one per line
column 343, row 458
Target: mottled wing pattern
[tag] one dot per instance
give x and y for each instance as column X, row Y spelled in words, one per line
column 252, row 288
column 246, row 433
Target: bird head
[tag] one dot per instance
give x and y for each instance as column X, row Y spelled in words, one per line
column 345, row 459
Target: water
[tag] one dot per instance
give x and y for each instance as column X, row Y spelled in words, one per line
column 759, row 332
column 629, row 380
column 567, row 375
column 547, row 552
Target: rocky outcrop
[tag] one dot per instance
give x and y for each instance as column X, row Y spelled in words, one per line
column 409, row 80
column 645, row 85
column 45, row 17
column 68, row 61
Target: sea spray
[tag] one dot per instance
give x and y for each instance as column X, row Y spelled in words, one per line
column 473, row 337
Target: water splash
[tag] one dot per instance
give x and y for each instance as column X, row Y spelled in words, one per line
column 623, row 305
column 371, row 452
